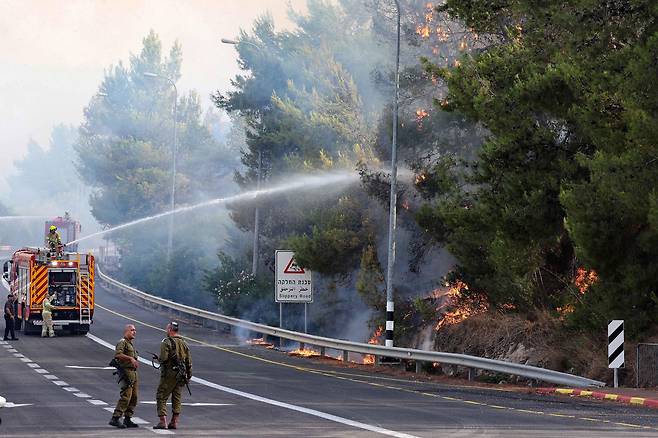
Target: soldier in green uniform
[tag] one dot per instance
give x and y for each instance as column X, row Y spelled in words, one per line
column 47, row 317
column 175, row 372
column 126, row 355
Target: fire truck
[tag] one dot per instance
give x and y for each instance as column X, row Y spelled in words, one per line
column 34, row 273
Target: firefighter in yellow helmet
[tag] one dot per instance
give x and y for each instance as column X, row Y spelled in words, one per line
column 53, row 241
column 47, row 316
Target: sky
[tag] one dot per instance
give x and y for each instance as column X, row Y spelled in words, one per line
column 53, row 54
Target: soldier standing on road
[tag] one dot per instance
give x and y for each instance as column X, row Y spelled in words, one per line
column 47, row 316
column 9, row 319
column 175, row 372
column 126, row 355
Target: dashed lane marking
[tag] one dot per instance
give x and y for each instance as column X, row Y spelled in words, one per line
column 97, row 402
column 333, row 375
column 76, row 392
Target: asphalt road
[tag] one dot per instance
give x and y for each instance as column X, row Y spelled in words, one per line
column 60, row 387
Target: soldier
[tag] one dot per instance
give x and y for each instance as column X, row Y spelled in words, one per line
column 175, row 372
column 126, row 355
column 47, row 316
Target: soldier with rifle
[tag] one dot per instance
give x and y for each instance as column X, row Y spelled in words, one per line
column 125, row 360
column 175, row 372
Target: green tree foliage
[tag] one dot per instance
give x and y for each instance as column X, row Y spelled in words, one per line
column 565, row 178
column 125, row 153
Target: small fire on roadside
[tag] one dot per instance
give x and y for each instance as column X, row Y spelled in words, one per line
column 458, row 308
column 260, row 341
column 304, row 353
column 420, row 178
column 369, row 359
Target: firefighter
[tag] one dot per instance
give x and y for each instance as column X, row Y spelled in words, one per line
column 47, row 317
column 175, row 372
column 53, row 241
column 126, row 355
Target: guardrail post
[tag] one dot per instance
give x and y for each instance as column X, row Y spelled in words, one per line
column 345, row 356
column 322, row 352
column 419, row 366
column 471, row 374
column 301, row 346
column 376, row 362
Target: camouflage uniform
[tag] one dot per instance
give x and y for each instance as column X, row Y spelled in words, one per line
column 128, row 396
column 169, row 384
column 47, row 316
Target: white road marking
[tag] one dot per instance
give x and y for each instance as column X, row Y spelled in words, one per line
column 162, row 431
column 191, row 404
column 40, row 370
column 16, row 405
column 80, row 367
column 269, row 401
column 51, row 377
column 60, row 383
column 138, row 420
column 109, row 409
column 81, row 395
column 3, row 342
column 71, row 389
column 33, row 365
column 96, row 402
column 18, row 355
column 25, row 359
column 12, row 350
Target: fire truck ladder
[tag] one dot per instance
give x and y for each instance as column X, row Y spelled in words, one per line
column 84, row 288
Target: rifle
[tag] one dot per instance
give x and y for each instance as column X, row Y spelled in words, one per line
column 179, row 367
column 119, row 371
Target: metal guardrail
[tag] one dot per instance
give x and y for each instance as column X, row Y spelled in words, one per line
column 464, row 360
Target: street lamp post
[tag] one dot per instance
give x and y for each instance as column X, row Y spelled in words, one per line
column 170, row 235
column 390, row 306
column 254, row 259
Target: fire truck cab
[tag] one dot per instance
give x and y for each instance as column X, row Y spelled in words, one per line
column 33, row 274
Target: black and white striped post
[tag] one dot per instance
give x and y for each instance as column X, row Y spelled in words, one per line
column 616, row 346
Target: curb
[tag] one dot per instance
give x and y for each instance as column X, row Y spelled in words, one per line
column 638, row 401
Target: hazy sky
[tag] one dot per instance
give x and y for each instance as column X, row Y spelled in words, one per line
column 53, row 54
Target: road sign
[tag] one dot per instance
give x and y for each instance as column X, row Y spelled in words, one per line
column 293, row 283
column 616, row 344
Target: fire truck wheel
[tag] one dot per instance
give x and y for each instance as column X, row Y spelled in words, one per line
column 29, row 328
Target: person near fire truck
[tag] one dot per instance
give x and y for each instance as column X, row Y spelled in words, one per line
column 47, row 317
column 175, row 373
column 53, row 241
column 9, row 319
column 126, row 355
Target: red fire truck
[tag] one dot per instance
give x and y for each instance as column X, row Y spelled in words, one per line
column 33, row 273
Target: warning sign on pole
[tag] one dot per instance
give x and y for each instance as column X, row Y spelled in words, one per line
column 293, row 283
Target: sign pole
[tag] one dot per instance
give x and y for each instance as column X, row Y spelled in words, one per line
column 305, row 323
column 616, row 378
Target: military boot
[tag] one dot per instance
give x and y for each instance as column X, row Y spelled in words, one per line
column 116, row 422
column 173, row 424
column 162, row 424
column 129, row 423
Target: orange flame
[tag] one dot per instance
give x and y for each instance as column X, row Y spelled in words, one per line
column 584, row 279
column 459, row 310
column 369, row 359
column 260, row 341
column 304, row 353
column 423, row 31
column 421, row 178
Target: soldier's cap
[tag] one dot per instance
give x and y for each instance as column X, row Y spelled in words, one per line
column 174, row 325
